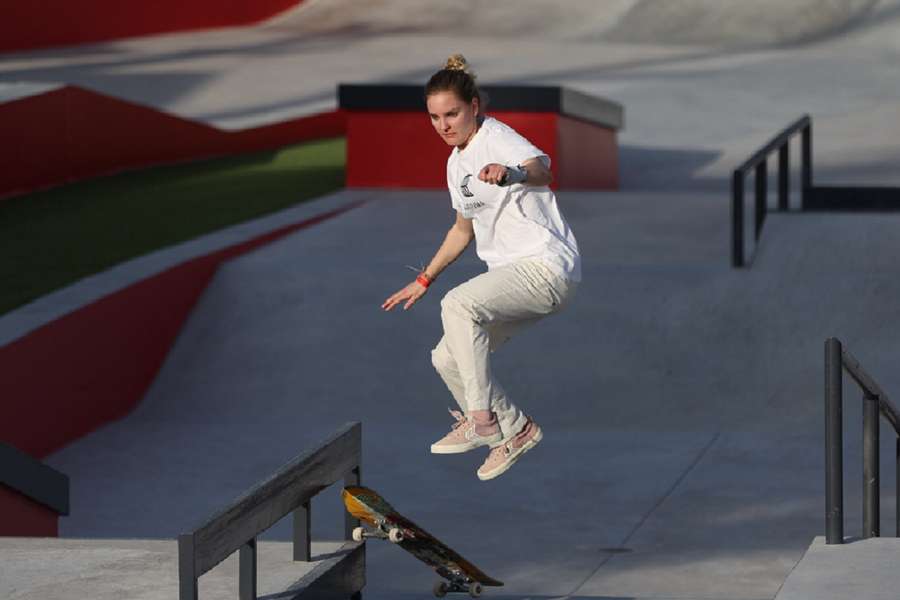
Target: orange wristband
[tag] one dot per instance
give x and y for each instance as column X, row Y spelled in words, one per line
column 423, row 280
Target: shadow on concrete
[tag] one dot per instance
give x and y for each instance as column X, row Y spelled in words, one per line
column 648, row 168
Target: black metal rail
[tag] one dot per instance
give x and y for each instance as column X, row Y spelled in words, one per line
column 235, row 528
column 875, row 403
column 33, row 479
column 758, row 163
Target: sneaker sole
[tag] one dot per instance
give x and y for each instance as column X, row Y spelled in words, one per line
column 460, row 448
column 513, row 458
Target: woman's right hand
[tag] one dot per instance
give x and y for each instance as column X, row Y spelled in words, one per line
column 410, row 293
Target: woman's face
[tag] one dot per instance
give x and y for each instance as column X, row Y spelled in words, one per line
column 454, row 120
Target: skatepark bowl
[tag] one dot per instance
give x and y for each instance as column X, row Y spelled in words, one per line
column 743, row 214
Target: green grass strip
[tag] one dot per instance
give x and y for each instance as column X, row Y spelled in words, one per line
column 53, row 238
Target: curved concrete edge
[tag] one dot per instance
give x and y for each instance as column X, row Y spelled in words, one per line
column 134, row 135
column 30, row 28
column 25, row 319
column 93, row 365
column 18, row 90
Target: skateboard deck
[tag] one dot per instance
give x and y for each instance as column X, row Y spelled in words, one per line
column 386, row 523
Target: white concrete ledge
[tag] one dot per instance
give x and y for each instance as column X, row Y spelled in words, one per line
column 61, row 569
column 860, row 569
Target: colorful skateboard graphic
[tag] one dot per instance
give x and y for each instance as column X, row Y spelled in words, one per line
column 460, row 575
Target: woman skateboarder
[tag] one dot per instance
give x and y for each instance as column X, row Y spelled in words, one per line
column 499, row 188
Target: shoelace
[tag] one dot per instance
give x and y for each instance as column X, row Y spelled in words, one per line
column 460, row 418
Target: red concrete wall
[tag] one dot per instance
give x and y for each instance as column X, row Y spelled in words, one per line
column 402, row 149
column 71, row 134
column 41, row 23
column 94, row 365
column 21, row 516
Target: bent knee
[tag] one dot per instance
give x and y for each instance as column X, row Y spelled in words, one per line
column 441, row 359
column 456, row 304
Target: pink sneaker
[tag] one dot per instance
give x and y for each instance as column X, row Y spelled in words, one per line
column 502, row 457
column 467, row 435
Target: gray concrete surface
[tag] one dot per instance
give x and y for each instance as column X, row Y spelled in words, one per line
column 681, row 399
column 859, row 569
column 27, row 318
column 694, row 111
column 114, row 569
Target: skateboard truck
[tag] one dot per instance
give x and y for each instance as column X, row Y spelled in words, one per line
column 394, row 534
column 442, row 588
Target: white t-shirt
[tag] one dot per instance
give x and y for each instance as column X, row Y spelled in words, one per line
column 515, row 222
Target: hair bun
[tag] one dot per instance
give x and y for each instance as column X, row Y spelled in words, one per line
column 457, row 62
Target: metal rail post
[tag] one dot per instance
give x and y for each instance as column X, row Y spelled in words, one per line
column 762, row 190
column 302, row 538
column 806, row 165
column 247, row 574
column 834, row 467
column 871, row 482
column 187, row 568
column 784, row 176
column 737, row 219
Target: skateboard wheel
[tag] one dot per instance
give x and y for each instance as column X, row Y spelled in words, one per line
column 440, row 589
column 358, row 534
column 475, row 589
column 395, row 535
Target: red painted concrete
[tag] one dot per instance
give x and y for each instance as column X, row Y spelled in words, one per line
column 588, row 156
column 401, row 149
column 71, row 134
column 20, row 516
column 94, row 365
column 43, row 23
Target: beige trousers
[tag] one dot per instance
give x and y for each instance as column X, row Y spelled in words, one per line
column 479, row 316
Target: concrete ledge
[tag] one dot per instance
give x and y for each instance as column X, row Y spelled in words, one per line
column 60, row 569
column 501, row 98
column 861, row 569
column 576, row 130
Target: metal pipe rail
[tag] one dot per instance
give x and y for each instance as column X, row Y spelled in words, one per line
column 758, row 163
column 33, row 479
column 290, row 489
column 875, row 403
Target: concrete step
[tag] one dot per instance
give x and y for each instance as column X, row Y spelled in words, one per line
column 143, row 569
column 857, row 569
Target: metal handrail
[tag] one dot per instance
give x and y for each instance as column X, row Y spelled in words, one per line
column 34, row 479
column 875, row 403
column 236, row 527
column 759, row 164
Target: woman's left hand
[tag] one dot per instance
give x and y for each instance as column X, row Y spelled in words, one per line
column 410, row 294
column 492, row 173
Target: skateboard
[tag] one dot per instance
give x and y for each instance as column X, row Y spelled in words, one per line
column 386, row 523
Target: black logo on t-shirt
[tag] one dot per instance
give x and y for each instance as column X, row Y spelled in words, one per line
column 465, row 187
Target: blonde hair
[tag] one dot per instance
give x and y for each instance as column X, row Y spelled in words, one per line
column 458, row 62
column 456, row 77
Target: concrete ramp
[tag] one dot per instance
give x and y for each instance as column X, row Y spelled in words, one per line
column 713, row 23
column 680, row 399
column 733, row 24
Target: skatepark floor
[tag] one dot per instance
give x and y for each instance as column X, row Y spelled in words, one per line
column 681, row 399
